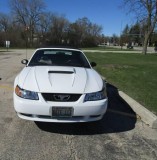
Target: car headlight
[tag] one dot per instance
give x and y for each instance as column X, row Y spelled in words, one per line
column 26, row 94
column 96, row 96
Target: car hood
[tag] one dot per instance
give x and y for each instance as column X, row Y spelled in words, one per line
column 50, row 79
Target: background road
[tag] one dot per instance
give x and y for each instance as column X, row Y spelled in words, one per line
column 120, row 135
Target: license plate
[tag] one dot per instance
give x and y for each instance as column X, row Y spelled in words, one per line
column 62, row 111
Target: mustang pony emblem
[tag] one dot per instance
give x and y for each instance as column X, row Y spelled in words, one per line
column 61, row 97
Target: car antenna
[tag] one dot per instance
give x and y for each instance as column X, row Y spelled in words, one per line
column 26, row 30
column 26, row 51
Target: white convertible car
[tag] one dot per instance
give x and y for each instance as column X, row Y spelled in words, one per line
column 59, row 85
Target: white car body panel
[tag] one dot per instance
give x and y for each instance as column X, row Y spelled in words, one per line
column 39, row 80
column 59, row 79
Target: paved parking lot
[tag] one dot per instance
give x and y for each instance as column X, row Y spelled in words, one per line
column 120, row 135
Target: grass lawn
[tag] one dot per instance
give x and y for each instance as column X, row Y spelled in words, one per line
column 135, row 74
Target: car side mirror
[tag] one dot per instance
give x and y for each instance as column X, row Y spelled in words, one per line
column 93, row 64
column 24, row 61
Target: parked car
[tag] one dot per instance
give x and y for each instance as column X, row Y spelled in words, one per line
column 59, row 85
column 129, row 46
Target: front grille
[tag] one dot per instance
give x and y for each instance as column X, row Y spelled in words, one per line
column 59, row 97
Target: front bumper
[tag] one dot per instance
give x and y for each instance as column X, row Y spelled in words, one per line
column 41, row 110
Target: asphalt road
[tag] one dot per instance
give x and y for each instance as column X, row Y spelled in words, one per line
column 119, row 135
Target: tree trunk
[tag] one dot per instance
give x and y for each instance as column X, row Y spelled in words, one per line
column 145, row 43
column 144, row 50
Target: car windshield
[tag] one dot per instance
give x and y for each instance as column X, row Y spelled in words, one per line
column 56, row 57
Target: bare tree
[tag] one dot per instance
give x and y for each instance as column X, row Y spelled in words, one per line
column 59, row 29
column 33, row 26
column 10, row 31
column 27, row 13
column 4, row 22
column 146, row 12
column 44, row 26
column 84, row 33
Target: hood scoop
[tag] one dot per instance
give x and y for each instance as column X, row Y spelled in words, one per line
column 62, row 76
column 61, row 72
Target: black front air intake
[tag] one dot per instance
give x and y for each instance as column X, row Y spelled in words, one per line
column 60, row 97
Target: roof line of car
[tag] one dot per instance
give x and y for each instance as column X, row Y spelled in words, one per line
column 59, row 47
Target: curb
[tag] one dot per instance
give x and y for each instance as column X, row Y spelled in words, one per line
column 146, row 116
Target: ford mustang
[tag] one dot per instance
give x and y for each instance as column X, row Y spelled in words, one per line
column 59, row 85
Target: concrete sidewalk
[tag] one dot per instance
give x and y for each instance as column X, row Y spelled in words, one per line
column 119, row 51
column 108, row 51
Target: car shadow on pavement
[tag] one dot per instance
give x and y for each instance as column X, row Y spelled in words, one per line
column 118, row 118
